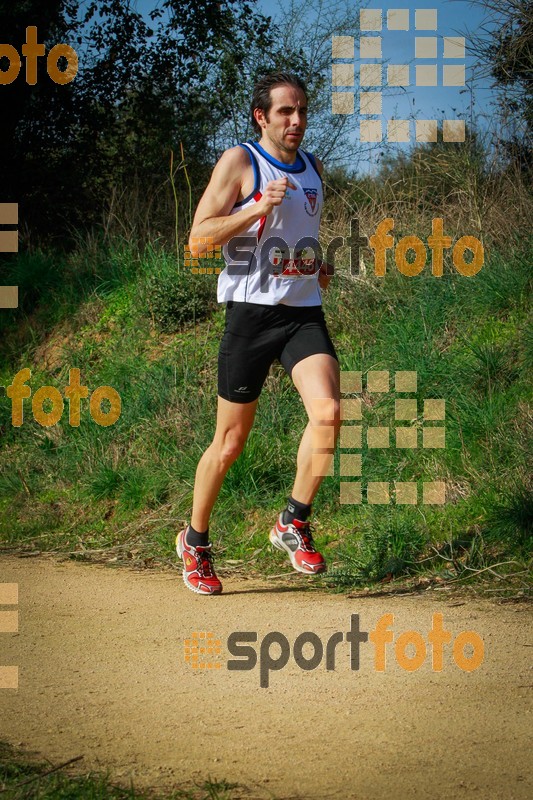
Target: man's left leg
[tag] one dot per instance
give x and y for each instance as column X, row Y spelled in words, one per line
column 317, row 379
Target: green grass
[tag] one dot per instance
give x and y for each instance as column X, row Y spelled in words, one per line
column 23, row 778
column 469, row 340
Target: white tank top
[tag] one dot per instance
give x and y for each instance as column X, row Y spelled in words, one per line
column 289, row 275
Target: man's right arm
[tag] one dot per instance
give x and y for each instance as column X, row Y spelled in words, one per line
column 213, row 220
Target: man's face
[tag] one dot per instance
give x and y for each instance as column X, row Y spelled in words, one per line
column 287, row 119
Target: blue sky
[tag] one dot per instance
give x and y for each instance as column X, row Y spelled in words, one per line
column 454, row 18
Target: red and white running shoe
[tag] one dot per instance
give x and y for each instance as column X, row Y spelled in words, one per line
column 198, row 573
column 296, row 539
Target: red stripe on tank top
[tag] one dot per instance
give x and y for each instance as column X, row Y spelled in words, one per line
column 262, row 221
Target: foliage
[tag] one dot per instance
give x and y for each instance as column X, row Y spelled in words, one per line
column 386, row 547
column 141, row 89
column 22, row 776
column 180, row 298
column 467, row 338
column 505, row 49
column 510, row 518
column 435, row 172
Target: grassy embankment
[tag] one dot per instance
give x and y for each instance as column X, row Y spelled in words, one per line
column 105, row 309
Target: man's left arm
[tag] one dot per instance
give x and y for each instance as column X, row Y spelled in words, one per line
column 326, row 270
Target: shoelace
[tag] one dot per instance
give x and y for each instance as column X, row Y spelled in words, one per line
column 204, row 562
column 306, row 537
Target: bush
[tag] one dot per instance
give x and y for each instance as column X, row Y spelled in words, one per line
column 178, row 298
column 510, row 518
column 388, row 545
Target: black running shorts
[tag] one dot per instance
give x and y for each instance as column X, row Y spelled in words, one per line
column 255, row 335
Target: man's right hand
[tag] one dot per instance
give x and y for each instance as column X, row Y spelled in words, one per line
column 274, row 194
column 213, row 218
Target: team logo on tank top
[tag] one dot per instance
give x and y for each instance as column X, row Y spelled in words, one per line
column 311, row 204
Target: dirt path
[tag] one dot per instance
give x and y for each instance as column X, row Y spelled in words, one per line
column 102, row 673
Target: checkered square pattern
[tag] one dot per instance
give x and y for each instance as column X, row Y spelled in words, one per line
column 9, row 243
column 201, row 651
column 447, row 54
column 9, row 623
column 191, row 258
column 410, row 417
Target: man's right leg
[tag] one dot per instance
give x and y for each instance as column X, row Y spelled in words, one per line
column 234, row 422
column 247, row 349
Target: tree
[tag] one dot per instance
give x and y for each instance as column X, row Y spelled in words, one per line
column 144, row 87
column 505, row 48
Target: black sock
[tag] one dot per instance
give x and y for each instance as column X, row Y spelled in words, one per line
column 295, row 510
column 195, row 538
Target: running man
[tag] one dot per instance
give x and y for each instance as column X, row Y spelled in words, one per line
column 259, row 190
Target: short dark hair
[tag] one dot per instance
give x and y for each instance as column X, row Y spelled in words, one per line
column 261, row 96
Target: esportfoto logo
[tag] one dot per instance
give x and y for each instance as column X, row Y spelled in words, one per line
column 409, row 649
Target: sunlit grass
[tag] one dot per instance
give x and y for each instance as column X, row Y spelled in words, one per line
column 467, row 339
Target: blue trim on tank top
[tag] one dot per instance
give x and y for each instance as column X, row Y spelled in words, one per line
column 312, row 159
column 298, row 166
column 255, row 167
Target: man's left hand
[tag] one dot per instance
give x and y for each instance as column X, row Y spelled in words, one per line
column 324, row 274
